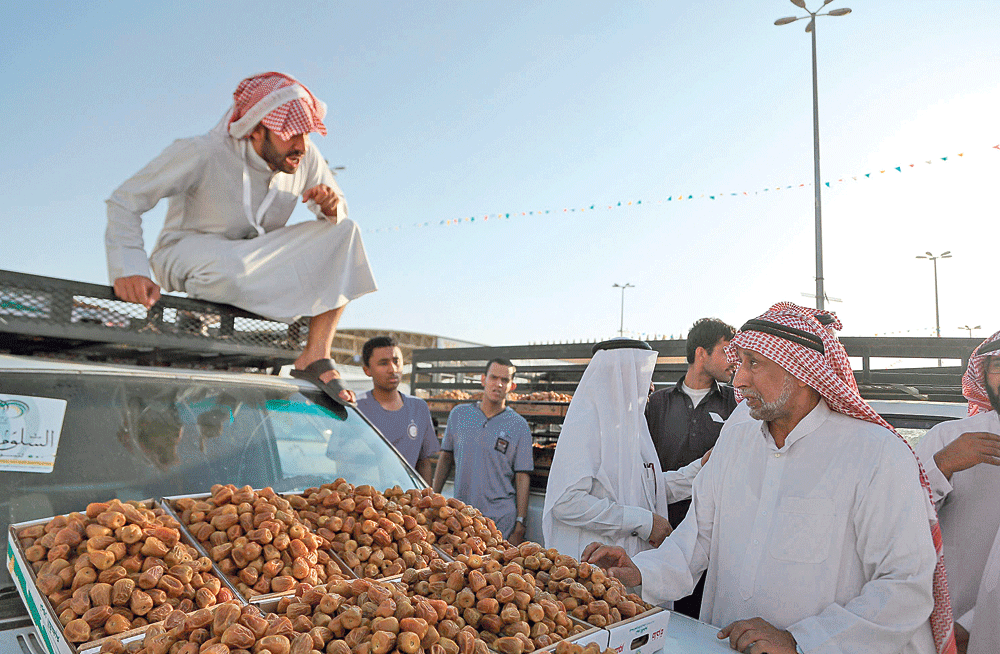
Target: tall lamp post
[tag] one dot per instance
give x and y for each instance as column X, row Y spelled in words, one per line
column 621, row 326
column 811, row 28
column 934, row 258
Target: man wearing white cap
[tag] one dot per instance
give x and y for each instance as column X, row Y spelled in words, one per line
column 962, row 458
column 813, row 518
column 225, row 238
column 605, row 480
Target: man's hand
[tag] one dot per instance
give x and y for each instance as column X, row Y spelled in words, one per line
column 325, row 197
column 708, row 454
column 615, row 561
column 138, row 289
column 757, row 636
column 661, row 529
column 969, row 449
column 517, row 536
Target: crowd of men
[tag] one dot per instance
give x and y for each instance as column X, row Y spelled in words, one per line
column 780, row 507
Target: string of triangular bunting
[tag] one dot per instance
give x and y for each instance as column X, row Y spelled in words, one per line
column 681, row 197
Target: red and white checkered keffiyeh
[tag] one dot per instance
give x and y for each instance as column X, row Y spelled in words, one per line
column 825, row 373
column 283, row 104
column 974, row 380
column 832, row 324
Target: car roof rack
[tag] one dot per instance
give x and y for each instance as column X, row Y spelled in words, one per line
column 57, row 317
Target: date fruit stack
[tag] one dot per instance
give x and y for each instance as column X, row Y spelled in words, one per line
column 365, row 616
column 116, row 567
column 458, row 528
column 501, row 602
column 256, row 540
column 374, row 533
column 585, row 590
column 223, row 629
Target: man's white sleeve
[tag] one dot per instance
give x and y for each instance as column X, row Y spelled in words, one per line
column 894, row 543
column 671, row 571
column 577, row 507
column 177, row 169
column 320, row 173
column 680, row 482
column 932, row 443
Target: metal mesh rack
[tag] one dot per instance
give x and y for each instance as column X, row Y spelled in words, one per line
column 43, row 315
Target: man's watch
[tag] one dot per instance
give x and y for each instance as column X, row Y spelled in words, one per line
column 520, row 519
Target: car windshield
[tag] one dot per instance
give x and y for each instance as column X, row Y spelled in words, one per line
column 134, row 438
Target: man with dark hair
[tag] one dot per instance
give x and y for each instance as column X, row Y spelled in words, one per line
column 962, row 459
column 490, row 446
column 685, row 419
column 403, row 419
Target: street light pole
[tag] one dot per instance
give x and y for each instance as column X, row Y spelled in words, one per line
column 811, row 28
column 621, row 326
column 934, row 258
column 966, row 327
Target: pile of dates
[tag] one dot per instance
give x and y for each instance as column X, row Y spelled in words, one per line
column 501, row 602
column 365, row 616
column 585, row 590
column 376, row 534
column 223, row 629
column 458, row 527
column 116, row 567
column 256, row 540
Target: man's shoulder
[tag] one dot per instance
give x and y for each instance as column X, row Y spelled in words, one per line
column 515, row 417
column 460, row 410
column 417, row 403
column 872, row 441
column 662, row 397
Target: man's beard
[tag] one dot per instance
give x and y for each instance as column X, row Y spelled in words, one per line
column 275, row 159
column 994, row 398
column 768, row 411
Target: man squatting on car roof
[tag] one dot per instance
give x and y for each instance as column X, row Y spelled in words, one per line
column 812, row 517
column 230, row 193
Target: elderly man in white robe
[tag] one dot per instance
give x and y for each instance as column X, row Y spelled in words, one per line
column 605, row 480
column 225, row 239
column 962, row 459
column 812, row 517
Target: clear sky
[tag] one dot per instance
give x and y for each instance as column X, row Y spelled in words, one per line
column 443, row 111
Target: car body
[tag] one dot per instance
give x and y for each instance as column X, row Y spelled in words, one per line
column 136, row 433
column 912, row 418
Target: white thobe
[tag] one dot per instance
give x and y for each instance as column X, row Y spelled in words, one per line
column 968, row 511
column 984, row 635
column 826, row 537
column 211, row 249
column 587, row 505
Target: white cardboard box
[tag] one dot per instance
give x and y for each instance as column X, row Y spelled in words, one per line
column 689, row 636
column 643, row 634
column 40, row 610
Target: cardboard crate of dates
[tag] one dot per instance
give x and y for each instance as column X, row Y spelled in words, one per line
column 256, row 540
column 111, row 570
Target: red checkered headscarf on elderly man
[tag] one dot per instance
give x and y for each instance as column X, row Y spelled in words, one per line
column 974, row 380
column 793, row 337
column 283, row 104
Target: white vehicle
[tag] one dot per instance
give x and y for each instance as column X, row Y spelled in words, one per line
column 135, row 433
